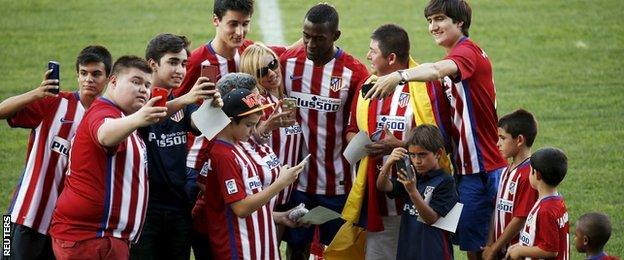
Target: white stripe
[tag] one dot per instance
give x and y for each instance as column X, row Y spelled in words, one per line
column 270, row 19
column 321, row 129
column 143, row 191
column 126, row 186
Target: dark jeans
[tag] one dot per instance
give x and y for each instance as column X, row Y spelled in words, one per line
column 27, row 243
column 201, row 246
column 165, row 235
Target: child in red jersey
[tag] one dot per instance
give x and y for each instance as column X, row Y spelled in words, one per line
column 241, row 223
column 546, row 231
column 515, row 197
column 591, row 234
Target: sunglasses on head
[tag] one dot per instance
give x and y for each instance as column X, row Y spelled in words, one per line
column 265, row 70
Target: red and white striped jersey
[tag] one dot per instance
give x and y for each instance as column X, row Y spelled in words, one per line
column 324, row 95
column 106, row 188
column 515, row 198
column 472, row 99
column 397, row 114
column 287, row 142
column 547, row 227
column 53, row 121
column 232, row 178
column 268, row 167
column 198, row 145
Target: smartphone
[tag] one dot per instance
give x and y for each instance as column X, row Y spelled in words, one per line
column 376, row 136
column 156, row 91
column 289, row 103
column 55, row 74
column 366, row 88
column 406, row 165
column 211, row 72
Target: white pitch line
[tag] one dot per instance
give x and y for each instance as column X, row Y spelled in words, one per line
column 270, row 22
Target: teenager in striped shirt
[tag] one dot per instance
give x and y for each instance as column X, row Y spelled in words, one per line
column 53, row 119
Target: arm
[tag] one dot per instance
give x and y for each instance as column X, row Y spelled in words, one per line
column 512, row 229
column 383, row 179
column 114, row 131
column 199, row 91
column 517, row 252
column 14, row 104
column 243, row 208
column 422, row 73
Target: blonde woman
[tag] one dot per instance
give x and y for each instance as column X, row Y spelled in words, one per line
column 278, row 128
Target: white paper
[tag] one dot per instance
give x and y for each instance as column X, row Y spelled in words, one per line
column 355, row 150
column 319, row 215
column 449, row 222
column 209, row 120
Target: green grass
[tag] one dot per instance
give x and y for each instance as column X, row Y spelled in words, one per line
column 559, row 59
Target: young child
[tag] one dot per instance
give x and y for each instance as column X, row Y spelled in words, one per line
column 591, row 234
column 235, row 202
column 430, row 194
column 546, row 231
column 516, row 133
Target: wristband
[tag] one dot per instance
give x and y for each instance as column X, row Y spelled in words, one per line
column 403, row 76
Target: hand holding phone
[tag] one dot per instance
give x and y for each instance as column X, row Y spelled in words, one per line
column 211, row 72
column 55, row 74
column 289, row 103
column 406, row 165
column 160, row 92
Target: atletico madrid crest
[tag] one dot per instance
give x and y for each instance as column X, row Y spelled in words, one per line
column 403, row 99
column 177, row 116
column 335, row 83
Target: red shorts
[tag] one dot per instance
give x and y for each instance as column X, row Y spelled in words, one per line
column 95, row 248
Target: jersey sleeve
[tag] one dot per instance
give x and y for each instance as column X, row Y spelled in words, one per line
column 547, row 237
column 278, row 49
column 32, row 115
column 360, row 74
column 229, row 178
column 466, row 60
column 525, row 198
column 97, row 119
column 444, row 197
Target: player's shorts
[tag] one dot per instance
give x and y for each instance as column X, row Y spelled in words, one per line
column 478, row 193
column 299, row 237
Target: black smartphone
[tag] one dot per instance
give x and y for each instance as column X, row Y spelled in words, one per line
column 406, row 165
column 366, row 87
column 55, row 74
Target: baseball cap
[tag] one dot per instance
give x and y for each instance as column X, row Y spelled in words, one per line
column 242, row 102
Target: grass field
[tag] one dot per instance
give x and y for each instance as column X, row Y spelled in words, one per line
column 559, row 59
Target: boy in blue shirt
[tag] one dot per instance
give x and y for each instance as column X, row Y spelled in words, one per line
column 429, row 194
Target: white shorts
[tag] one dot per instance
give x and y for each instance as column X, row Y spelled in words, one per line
column 383, row 245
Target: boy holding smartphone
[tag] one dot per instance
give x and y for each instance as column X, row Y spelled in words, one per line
column 53, row 119
column 429, row 195
column 172, row 193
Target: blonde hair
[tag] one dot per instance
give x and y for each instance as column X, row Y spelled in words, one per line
column 251, row 61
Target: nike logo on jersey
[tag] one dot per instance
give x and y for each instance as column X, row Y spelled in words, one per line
column 293, row 77
column 64, row 121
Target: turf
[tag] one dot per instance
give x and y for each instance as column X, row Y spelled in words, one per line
column 559, row 59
